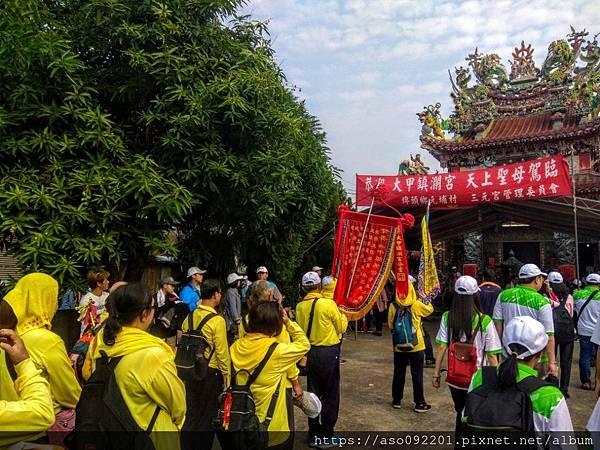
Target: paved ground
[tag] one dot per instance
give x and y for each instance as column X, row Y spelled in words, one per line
column 366, row 392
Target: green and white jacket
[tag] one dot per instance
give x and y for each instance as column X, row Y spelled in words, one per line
column 591, row 313
column 550, row 411
column 524, row 301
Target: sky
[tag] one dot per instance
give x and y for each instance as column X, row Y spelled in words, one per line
column 366, row 67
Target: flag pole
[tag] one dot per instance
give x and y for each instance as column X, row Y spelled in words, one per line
column 362, row 239
column 575, row 214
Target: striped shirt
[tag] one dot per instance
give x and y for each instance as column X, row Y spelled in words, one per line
column 524, row 301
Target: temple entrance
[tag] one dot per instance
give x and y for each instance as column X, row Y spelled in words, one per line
column 587, row 258
column 526, row 252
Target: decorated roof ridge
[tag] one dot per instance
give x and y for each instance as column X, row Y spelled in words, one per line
column 518, row 129
column 568, row 82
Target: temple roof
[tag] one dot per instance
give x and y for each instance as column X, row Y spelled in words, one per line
column 518, row 129
column 495, row 107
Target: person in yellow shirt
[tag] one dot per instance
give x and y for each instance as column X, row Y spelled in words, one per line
column 323, row 323
column 29, row 414
column 146, row 375
column 33, row 303
column 415, row 357
column 262, row 292
column 266, row 322
column 202, row 397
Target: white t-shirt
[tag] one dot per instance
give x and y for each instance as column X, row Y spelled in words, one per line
column 99, row 301
column 487, row 337
column 589, row 319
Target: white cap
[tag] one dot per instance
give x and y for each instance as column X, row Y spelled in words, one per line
column 555, row 277
column 593, row 278
column 526, row 331
column 411, row 279
column 194, row 270
column 310, row 405
column 311, row 279
column 233, row 277
column 466, row 285
column 530, row 271
column 262, row 269
column 315, row 268
column 327, row 280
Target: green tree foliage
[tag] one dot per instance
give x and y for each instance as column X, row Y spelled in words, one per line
column 120, row 120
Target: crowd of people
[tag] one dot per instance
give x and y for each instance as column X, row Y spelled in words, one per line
column 491, row 342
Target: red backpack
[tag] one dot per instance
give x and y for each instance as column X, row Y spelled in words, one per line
column 462, row 360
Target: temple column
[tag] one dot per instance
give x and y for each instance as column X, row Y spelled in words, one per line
column 565, row 248
column 473, row 248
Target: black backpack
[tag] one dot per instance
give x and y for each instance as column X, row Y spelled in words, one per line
column 192, row 365
column 237, row 412
column 564, row 326
column 493, row 411
column 103, row 421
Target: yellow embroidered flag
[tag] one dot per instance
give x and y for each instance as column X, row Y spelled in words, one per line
column 428, row 283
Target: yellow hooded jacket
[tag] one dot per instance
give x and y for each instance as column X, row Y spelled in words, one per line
column 418, row 310
column 34, row 301
column 328, row 322
column 146, row 377
column 247, row 352
column 30, row 412
column 284, row 338
column 215, row 332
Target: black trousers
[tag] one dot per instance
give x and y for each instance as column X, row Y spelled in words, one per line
column 459, row 397
column 428, row 347
column 323, row 380
column 566, row 358
column 416, row 360
column 202, row 400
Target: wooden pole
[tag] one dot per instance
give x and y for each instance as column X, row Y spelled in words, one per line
column 575, row 214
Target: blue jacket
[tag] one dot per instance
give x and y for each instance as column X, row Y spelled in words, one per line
column 190, row 295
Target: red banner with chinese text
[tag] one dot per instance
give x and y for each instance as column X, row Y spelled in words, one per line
column 363, row 270
column 539, row 178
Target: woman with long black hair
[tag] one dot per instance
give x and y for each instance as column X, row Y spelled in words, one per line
column 564, row 327
column 146, row 374
column 465, row 323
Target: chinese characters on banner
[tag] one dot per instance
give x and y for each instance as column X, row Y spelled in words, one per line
column 382, row 251
column 539, row 178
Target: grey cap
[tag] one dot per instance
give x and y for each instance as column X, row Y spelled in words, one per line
column 169, row 280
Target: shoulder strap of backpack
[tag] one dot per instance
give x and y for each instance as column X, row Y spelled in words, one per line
column 489, row 376
column 477, row 330
column 589, row 299
column 261, row 365
column 153, row 420
column 271, row 408
column 311, row 317
column 206, row 319
column 530, row 384
column 245, row 323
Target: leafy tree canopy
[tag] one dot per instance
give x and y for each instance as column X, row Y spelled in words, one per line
column 126, row 123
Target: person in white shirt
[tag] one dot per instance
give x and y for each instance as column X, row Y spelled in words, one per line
column 92, row 305
column 587, row 305
column 465, row 322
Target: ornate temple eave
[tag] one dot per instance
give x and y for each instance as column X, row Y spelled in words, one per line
column 439, row 147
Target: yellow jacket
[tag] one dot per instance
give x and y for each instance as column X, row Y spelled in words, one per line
column 418, row 310
column 30, row 414
column 146, row 377
column 284, row 338
column 34, row 301
column 247, row 352
column 215, row 332
column 328, row 322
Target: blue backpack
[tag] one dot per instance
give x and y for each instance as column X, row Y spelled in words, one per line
column 404, row 335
